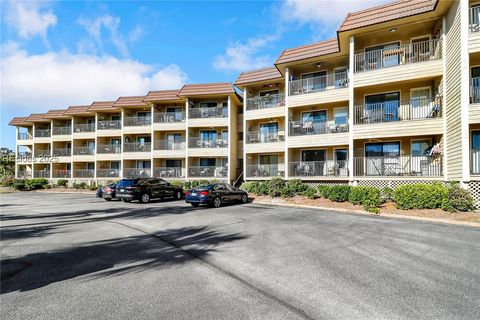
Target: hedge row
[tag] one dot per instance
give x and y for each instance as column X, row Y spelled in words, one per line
column 414, row 196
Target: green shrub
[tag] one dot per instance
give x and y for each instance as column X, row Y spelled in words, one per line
column 324, row 191
column 357, row 194
column 420, row 196
column 18, row 184
column 387, row 194
column 62, row 182
column 36, row 183
column 339, row 193
column 458, row 199
column 47, row 186
column 275, row 186
column 92, row 187
column 310, row 193
column 372, row 200
column 296, row 186
column 81, row 185
column 250, row 187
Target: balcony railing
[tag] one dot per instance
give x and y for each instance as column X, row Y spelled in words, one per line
column 137, row 173
column 137, row 147
column 108, row 173
column 42, row 152
column 24, row 155
column 259, row 137
column 475, row 162
column 410, row 166
column 168, row 145
column 24, row 175
column 168, row 117
column 109, row 125
column 265, row 170
column 475, row 90
column 211, row 112
column 24, row 136
column 60, row 173
column 328, row 168
column 83, row 173
column 207, row 172
column 265, row 102
column 474, row 20
column 62, row 152
column 109, row 148
column 84, row 127
column 196, row 142
column 41, row 174
column 137, row 121
column 168, row 172
column 317, row 84
column 403, row 54
column 83, row 151
column 59, row 131
column 42, row 133
column 413, row 109
column 306, row 128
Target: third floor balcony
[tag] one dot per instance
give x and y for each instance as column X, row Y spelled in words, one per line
column 208, row 112
column 318, row 83
column 42, row 133
column 265, row 102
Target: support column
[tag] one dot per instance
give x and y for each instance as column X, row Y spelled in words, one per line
column 51, row 150
column 17, row 131
column 444, row 100
column 152, row 139
column 465, row 88
column 187, row 101
column 230, row 136
column 245, row 96
column 351, row 98
column 287, row 124
column 95, row 154
column 122, row 116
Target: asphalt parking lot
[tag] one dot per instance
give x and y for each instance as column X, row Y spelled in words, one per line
column 70, row 256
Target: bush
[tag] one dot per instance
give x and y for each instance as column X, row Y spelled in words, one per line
column 48, row 186
column 62, row 183
column 81, row 185
column 7, row 181
column 296, row 186
column 458, row 199
column 420, row 196
column 324, row 191
column 93, row 187
column 372, row 200
column 310, row 193
column 387, row 194
column 357, row 194
column 18, row 184
column 339, row 193
column 37, row 183
column 250, row 187
column 275, row 187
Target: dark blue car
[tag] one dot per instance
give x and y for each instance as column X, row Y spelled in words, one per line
column 214, row 195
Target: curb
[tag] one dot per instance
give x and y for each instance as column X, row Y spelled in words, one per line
column 67, row 192
column 363, row 212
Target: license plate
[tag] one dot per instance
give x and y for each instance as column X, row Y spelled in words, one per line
column 194, row 194
column 122, row 190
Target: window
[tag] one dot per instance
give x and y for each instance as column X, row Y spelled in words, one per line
column 115, row 165
column 270, row 92
column 176, row 112
column 268, row 131
column 476, row 140
column 379, row 59
column 314, row 116
column 207, row 162
column 173, row 163
column 382, row 107
column 420, row 147
column 208, row 104
column 341, row 77
column 91, row 146
column 116, row 118
column 340, row 116
column 314, row 81
column 143, row 114
column 173, row 140
column 382, row 149
column 210, row 135
column 143, row 140
column 268, row 159
column 143, row 164
column 475, row 18
column 313, row 155
column 90, row 165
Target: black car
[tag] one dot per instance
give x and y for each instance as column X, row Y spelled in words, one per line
column 215, row 195
column 107, row 192
column 145, row 189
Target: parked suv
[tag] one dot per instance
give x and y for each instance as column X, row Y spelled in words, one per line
column 145, row 189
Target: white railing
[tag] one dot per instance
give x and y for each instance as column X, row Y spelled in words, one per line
column 265, row 170
column 62, row 152
column 24, row 175
column 137, row 121
column 475, row 162
column 317, row 84
column 474, row 20
column 109, row 148
column 168, row 172
column 137, row 173
column 83, row 173
column 210, row 112
column 42, row 133
column 413, row 109
column 327, row 168
column 109, row 125
column 137, row 147
column 42, row 152
column 61, row 173
column 196, row 142
column 83, row 127
column 108, row 173
column 83, row 151
column 265, row 102
column 168, row 117
column 403, row 54
column 168, row 145
column 475, row 90
column 58, row 131
column 305, row 128
column 259, row 137
column 207, row 172
column 41, row 174
column 24, row 136
column 425, row 166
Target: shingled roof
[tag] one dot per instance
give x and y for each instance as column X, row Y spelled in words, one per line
column 19, row 121
column 56, row 114
column 225, row 88
column 105, row 106
column 264, row 74
column 309, row 51
column 78, row 110
column 162, row 95
column 131, row 101
column 387, row 12
column 37, row 117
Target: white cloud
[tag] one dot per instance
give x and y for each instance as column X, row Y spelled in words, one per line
column 241, row 56
column 30, row 19
column 59, row 79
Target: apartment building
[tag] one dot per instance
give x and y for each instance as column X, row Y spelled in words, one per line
column 392, row 99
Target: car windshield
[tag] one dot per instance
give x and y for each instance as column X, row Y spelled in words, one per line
column 127, row 183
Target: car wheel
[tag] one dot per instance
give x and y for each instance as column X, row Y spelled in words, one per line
column 194, row 204
column 145, row 198
column 178, row 195
column 126, row 200
column 217, row 202
column 244, row 198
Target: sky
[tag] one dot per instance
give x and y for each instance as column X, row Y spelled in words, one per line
column 54, row 54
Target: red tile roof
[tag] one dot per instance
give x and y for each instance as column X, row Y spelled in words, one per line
column 309, row 51
column 98, row 106
column 162, row 95
column 19, row 121
column 387, row 12
column 258, row 75
column 132, row 101
column 78, row 110
column 220, row 88
column 56, row 114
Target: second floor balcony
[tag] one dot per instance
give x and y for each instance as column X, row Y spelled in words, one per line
column 207, row 172
column 137, row 121
column 262, row 137
column 201, row 143
column 42, row 152
column 389, row 111
column 61, row 131
column 168, row 117
column 62, row 152
column 42, row 133
column 208, row 112
column 84, row 127
column 305, row 128
column 474, row 19
column 318, row 83
column 169, row 145
column 168, row 172
column 61, row 173
column 24, row 136
column 475, row 90
column 137, row 147
column 83, row 173
column 108, row 173
column 83, row 151
column 109, row 148
column 265, row 102
column 109, row 125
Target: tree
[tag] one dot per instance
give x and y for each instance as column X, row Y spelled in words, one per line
column 7, row 162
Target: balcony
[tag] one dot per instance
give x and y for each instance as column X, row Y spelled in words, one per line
column 265, row 171
column 62, row 152
column 137, row 121
column 306, row 128
column 109, row 149
column 62, row 174
column 137, row 147
column 200, row 143
column 168, row 117
column 137, row 172
column 83, row 127
column 474, row 19
column 168, row 172
column 83, row 151
column 44, row 173
column 208, row 112
column 318, row 169
column 42, row 152
column 24, row 136
column 61, row 131
column 108, row 173
column 265, row 102
column 109, row 125
column 399, row 166
column 168, row 145
column 475, row 90
column 24, row 175
column 83, row 173
column 318, row 84
column 258, row 137
column 207, row 172
column 42, row 133
column 475, row 162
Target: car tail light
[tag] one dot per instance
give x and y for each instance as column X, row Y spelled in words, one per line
column 108, row 190
column 187, row 194
column 203, row 193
